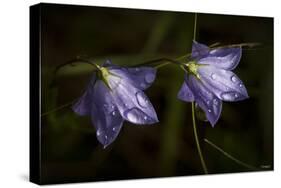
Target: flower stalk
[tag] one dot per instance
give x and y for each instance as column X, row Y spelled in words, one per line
column 197, row 141
column 230, row 156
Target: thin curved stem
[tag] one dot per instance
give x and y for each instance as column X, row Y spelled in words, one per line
column 76, row 60
column 197, row 141
column 165, row 60
column 184, row 56
column 161, row 65
column 195, row 26
column 230, row 156
column 57, row 109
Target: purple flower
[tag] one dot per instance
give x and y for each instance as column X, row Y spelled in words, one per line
column 116, row 94
column 209, row 79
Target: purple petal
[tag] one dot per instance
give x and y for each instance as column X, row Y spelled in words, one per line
column 133, row 104
column 83, row 105
column 140, row 77
column 224, row 58
column 209, row 103
column 185, row 93
column 199, row 50
column 224, row 84
column 105, row 115
column 108, row 63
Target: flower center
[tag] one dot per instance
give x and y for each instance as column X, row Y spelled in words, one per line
column 192, row 67
column 103, row 75
column 110, row 80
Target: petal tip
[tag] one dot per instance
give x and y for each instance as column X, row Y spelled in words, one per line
column 213, row 122
column 105, row 146
column 156, row 120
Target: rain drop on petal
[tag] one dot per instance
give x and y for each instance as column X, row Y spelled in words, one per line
column 233, row 79
column 215, row 101
column 142, row 99
column 149, row 78
column 213, row 76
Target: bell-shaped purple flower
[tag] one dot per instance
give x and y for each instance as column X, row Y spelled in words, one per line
column 209, row 79
column 116, row 94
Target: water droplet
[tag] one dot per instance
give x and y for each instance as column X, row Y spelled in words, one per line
column 109, row 109
column 105, row 136
column 228, row 96
column 135, row 115
column 208, row 102
column 149, row 78
column 236, row 95
column 132, row 114
column 215, row 101
column 209, row 110
column 240, row 85
column 213, row 76
column 213, row 51
column 114, row 129
column 208, row 92
column 113, row 113
column 233, row 79
column 98, row 132
column 142, row 99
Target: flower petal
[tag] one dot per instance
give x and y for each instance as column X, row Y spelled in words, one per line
column 140, row 77
column 185, row 93
column 224, row 84
column 199, row 50
column 224, row 58
column 108, row 63
column 209, row 103
column 133, row 104
column 83, row 105
column 105, row 115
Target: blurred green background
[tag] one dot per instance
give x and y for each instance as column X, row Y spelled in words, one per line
column 70, row 150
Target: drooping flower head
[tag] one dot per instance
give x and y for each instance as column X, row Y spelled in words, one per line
column 210, row 80
column 116, row 94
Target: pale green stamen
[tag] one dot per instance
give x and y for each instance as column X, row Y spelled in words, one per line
column 192, row 68
column 104, row 74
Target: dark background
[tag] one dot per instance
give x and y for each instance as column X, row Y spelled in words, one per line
column 70, row 150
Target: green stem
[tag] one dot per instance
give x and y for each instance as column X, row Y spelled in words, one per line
column 76, row 60
column 197, row 141
column 161, row 65
column 230, row 156
column 57, row 109
column 195, row 26
column 156, row 62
